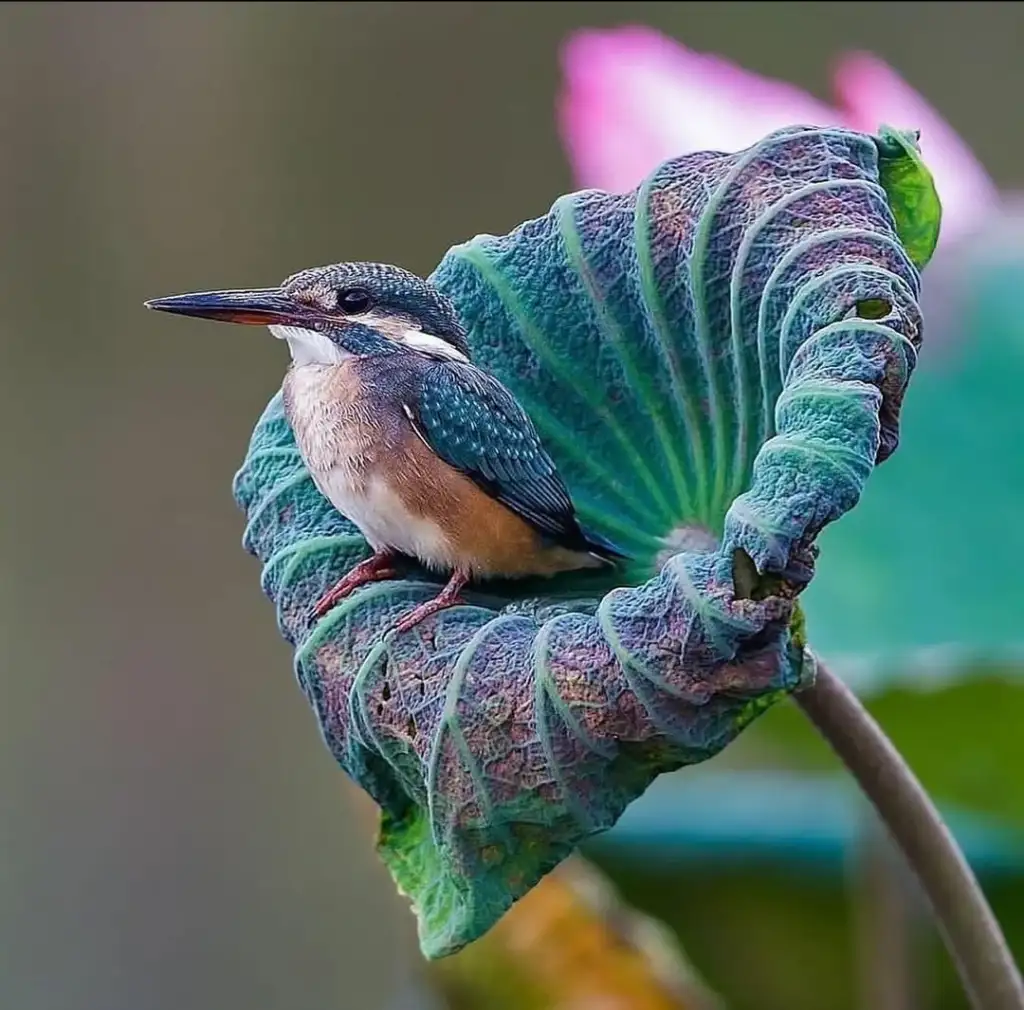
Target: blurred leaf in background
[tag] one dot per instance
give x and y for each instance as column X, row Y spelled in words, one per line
column 572, row 943
column 760, row 875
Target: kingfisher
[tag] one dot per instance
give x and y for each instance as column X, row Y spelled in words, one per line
column 430, row 456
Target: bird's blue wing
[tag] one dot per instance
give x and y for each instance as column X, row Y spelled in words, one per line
column 476, row 426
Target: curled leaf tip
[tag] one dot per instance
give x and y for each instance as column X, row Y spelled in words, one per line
column 911, row 191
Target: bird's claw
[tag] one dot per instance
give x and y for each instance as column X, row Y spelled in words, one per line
column 375, row 569
column 328, row 602
column 425, row 610
column 448, row 597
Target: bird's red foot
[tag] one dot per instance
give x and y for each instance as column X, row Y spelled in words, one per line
column 448, row 597
column 375, row 569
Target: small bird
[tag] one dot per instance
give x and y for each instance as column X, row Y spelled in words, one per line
column 431, row 457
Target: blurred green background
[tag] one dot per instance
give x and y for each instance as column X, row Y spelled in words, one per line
column 174, row 833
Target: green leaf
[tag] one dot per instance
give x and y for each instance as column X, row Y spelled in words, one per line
column 911, row 191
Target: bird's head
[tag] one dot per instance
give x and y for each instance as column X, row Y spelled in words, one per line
column 327, row 314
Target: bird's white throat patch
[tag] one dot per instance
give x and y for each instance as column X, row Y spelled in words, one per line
column 308, row 347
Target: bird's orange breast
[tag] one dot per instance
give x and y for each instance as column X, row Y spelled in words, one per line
column 483, row 535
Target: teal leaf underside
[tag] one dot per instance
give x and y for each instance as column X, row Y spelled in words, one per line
column 716, row 362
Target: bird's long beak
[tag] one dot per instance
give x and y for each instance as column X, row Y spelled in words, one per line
column 257, row 307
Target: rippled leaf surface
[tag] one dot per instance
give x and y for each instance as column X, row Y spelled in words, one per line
column 940, row 590
column 716, row 362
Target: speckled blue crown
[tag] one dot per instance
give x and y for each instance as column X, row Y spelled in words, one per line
column 716, row 361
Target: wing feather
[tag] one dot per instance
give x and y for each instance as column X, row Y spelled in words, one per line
column 476, row 426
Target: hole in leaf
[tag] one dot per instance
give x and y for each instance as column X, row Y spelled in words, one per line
column 410, row 728
column 745, row 575
column 873, row 308
column 748, row 583
column 385, row 692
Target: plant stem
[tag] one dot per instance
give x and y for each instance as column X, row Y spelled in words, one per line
column 972, row 935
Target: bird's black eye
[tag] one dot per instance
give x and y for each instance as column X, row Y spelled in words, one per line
column 353, row 301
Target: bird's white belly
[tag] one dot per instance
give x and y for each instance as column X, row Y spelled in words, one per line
column 382, row 516
column 348, row 453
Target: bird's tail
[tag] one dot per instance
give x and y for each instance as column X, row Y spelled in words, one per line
column 603, row 548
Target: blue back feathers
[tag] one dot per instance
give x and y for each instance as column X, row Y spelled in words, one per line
column 475, row 425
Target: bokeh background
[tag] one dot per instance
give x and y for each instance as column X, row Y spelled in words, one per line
column 173, row 832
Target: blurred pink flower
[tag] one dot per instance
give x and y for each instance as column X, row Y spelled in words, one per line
column 633, row 98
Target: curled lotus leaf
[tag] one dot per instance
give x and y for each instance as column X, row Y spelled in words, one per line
column 716, row 361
